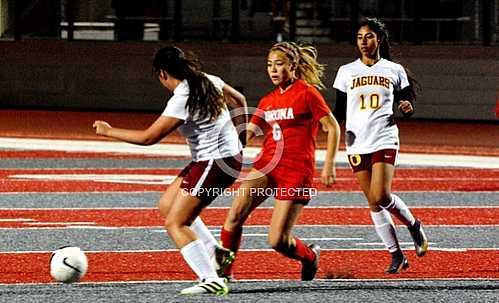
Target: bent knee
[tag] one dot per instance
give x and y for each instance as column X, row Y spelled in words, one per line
column 380, row 200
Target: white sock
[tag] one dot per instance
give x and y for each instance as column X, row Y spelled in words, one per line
column 204, row 234
column 400, row 210
column 196, row 256
column 385, row 229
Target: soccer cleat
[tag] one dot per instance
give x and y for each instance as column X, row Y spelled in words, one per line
column 223, row 259
column 419, row 238
column 212, row 286
column 309, row 269
column 399, row 263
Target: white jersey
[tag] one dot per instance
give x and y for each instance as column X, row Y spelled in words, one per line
column 369, row 117
column 207, row 139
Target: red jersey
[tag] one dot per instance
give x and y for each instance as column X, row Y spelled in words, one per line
column 290, row 122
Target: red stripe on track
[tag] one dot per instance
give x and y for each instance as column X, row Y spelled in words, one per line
column 167, row 266
column 405, row 180
column 22, row 218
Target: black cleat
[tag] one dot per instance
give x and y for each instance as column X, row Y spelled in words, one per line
column 399, row 263
column 309, row 269
column 419, row 238
column 223, row 259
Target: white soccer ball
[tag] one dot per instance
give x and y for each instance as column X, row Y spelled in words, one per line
column 68, row 264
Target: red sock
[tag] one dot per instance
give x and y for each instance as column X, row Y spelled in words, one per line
column 301, row 252
column 231, row 240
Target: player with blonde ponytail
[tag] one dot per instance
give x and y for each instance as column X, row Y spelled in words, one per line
column 289, row 118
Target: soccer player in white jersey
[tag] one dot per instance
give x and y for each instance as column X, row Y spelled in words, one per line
column 366, row 91
column 199, row 110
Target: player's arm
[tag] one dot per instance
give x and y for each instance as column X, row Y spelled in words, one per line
column 163, row 126
column 405, row 100
column 340, row 107
column 236, row 102
column 331, row 126
column 252, row 131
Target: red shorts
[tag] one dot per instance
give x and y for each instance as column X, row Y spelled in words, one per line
column 208, row 179
column 366, row 161
column 288, row 184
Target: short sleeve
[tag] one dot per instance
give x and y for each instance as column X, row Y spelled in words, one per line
column 340, row 82
column 176, row 107
column 403, row 80
column 317, row 104
column 217, row 81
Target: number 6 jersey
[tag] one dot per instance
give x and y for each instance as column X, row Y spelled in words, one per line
column 370, row 95
column 290, row 121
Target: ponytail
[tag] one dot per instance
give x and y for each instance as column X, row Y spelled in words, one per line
column 204, row 98
column 305, row 57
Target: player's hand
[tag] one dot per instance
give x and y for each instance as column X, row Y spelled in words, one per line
column 101, row 127
column 406, row 107
column 328, row 176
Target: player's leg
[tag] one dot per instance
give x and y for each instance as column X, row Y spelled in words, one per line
column 380, row 194
column 251, row 193
column 397, row 206
column 180, row 216
column 198, row 225
column 281, row 238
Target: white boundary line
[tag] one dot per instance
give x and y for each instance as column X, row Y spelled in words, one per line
column 261, row 280
column 170, row 250
column 249, row 152
column 228, row 207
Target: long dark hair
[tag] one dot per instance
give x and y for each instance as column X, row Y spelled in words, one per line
column 204, row 98
column 384, row 48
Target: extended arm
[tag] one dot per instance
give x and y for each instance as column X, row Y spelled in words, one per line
column 153, row 134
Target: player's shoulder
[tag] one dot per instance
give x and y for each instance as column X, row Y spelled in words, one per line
column 350, row 67
column 216, row 80
column 269, row 97
column 391, row 64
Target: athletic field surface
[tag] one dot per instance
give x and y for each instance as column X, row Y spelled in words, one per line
column 62, row 185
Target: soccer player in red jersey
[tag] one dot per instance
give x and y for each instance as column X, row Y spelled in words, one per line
column 289, row 118
column 366, row 90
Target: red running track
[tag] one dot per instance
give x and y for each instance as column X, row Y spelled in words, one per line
column 412, row 179
column 150, row 217
column 334, row 264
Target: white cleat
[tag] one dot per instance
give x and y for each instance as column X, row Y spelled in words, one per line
column 212, row 286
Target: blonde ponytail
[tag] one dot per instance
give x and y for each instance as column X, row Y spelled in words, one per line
column 305, row 57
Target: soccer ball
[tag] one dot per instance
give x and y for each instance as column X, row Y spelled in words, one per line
column 68, row 264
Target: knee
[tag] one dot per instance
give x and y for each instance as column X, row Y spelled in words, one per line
column 163, row 208
column 380, row 200
column 171, row 223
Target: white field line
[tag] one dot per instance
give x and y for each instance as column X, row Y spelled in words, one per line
column 155, row 179
column 160, row 229
column 228, row 207
column 249, row 152
column 262, row 280
column 170, row 250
